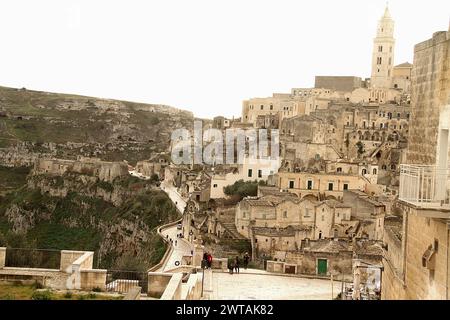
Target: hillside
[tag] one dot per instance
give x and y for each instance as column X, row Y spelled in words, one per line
column 115, row 219
column 65, row 126
column 123, row 234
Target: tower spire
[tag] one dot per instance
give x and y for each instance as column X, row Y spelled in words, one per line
column 387, row 14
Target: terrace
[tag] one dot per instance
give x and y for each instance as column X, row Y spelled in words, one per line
column 425, row 186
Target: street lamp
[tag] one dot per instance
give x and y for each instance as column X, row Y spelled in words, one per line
column 203, row 273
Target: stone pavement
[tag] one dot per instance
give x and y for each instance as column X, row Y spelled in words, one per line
column 183, row 248
column 265, row 286
column 173, row 194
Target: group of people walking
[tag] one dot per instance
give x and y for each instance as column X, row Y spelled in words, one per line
column 234, row 264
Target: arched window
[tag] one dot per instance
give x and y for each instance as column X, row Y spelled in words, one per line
column 374, row 171
column 364, row 171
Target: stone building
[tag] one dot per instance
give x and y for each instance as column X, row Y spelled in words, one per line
column 319, row 185
column 368, row 211
column 417, row 254
column 338, row 83
column 401, row 76
column 106, row 171
column 155, row 165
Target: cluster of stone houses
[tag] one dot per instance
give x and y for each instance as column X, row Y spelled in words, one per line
column 342, row 192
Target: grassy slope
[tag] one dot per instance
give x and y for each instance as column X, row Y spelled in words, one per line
column 29, row 292
column 98, row 122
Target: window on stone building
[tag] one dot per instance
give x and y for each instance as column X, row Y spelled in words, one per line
column 262, row 107
column 364, row 171
column 291, row 184
column 339, row 169
column 259, row 173
column 345, row 186
column 330, row 186
column 271, row 107
column 285, row 214
column 374, row 171
column 250, row 173
column 307, row 213
column 215, row 185
column 309, row 184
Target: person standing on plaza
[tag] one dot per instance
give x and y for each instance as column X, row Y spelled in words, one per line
column 209, row 260
column 246, row 260
column 237, row 263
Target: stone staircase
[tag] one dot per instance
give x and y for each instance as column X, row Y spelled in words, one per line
column 232, row 230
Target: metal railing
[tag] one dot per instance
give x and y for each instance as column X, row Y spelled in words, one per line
column 33, row 258
column 123, row 281
column 425, row 186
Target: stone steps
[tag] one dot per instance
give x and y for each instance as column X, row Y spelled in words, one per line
column 231, row 228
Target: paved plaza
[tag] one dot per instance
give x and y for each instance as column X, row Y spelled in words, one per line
column 271, row 287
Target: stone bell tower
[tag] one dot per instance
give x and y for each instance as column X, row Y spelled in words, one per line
column 383, row 52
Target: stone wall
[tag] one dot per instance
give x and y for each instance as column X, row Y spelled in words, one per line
column 430, row 95
column 93, row 278
column 157, row 283
column 2, row 257
column 106, row 171
column 421, row 282
column 67, row 258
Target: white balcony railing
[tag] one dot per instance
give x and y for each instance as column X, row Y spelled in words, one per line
column 424, row 186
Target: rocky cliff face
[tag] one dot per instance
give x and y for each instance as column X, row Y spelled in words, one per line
column 117, row 220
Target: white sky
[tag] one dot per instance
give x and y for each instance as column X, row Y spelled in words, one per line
column 201, row 55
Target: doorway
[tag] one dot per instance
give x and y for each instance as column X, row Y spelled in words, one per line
column 322, row 266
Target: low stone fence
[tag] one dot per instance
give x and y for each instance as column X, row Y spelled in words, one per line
column 220, row 263
column 75, row 273
column 157, row 283
column 183, row 284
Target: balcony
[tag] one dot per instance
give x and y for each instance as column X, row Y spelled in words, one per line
column 425, row 186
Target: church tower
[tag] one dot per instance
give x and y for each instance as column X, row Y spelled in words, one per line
column 383, row 53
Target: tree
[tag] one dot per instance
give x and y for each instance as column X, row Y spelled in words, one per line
column 360, row 147
column 243, row 188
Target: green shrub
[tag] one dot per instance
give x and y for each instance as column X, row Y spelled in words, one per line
column 42, row 295
column 97, row 289
column 243, row 188
column 68, row 295
column 92, row 296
